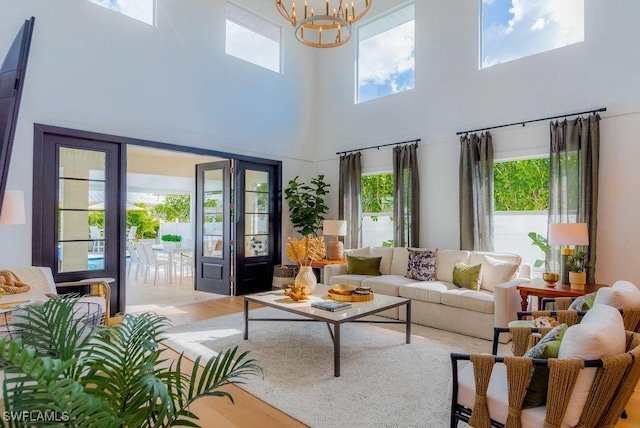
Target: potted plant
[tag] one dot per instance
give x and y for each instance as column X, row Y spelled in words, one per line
column 306, row 204
column 65, row 368
column 171, row 241
column 577, row 264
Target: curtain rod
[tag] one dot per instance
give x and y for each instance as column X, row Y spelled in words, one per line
column 533, row 120
column 417, row 140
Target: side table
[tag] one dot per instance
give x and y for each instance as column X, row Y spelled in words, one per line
column 538, row 288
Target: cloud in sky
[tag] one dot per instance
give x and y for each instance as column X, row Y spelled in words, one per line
column 141, row 10
column 386, row 62
column 513, row 29
column 253, row 47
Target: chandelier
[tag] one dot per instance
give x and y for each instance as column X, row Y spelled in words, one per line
column 328, row 30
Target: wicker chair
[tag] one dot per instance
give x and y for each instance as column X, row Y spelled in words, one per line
column 614, row 383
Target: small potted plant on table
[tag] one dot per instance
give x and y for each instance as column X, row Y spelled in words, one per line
column 577, row 265
column 171, row 241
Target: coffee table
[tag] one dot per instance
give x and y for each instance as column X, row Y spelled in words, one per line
column 538, row 288
column 278, row 300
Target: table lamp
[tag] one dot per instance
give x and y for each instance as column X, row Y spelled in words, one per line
column 568, row 234
column 334, row 228
column 13, row 207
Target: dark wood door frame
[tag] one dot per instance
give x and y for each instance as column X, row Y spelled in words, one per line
column 39, row 132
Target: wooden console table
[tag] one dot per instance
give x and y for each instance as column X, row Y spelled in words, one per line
column 538, row 288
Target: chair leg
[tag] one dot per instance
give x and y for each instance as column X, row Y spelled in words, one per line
column 155, row 275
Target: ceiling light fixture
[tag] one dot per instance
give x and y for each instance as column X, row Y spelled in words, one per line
column 324, row 31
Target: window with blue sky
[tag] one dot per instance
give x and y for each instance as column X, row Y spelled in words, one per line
column 142, row 10
column 386, row 55
column 252, row 38
column 513, row 29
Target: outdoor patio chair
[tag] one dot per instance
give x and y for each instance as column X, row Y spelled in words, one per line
column 133, row 259
column 155, row 262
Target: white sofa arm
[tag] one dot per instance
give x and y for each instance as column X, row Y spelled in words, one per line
column 525, row 270
column 332, row 270
column 506, row 302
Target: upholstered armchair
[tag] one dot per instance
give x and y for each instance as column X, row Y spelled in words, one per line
column 589, row 382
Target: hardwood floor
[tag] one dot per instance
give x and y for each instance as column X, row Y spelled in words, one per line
column 249, row 411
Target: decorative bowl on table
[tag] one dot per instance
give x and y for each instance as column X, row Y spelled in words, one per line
column 343, row 289
column 550, row 278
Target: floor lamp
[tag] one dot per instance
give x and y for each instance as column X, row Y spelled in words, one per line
column 334, row 228
column 568, row 234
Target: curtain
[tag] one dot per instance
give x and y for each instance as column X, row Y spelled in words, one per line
column 476, row 192
column 406, row 196
column 349, row 204
column 573, row 181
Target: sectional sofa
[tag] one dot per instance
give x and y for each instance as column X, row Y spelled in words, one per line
column 440, row 303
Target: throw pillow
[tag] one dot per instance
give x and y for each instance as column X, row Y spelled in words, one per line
column 548, row 347
column 467, row 276
column 583, row 303
column 358, row 265
column 622, row 295
column 496, row 272
column 422, row 265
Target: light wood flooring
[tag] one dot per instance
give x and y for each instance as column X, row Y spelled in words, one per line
column 249, row 411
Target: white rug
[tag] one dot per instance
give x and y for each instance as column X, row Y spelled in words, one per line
column 384, row 382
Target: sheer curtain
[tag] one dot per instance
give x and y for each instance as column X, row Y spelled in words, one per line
column 476, row 192
column 573, row 180
column 406, row 196
column 349, row 204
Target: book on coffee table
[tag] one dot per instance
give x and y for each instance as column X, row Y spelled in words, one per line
column 331, row 305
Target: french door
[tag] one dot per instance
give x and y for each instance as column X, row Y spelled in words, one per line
column 76, row 223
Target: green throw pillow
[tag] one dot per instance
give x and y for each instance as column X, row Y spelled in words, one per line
column 583, row 303
column 467, row 276
column 357, row 265
column 548, row 347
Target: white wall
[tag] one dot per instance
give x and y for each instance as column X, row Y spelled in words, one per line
column 452, row 95
column 94, row 69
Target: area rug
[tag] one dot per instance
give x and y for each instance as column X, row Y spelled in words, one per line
column 384, row 382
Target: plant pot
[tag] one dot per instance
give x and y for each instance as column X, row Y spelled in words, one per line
column 577, row 280
column 307, row 279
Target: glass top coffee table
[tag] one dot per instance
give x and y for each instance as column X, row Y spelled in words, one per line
column 278, row 300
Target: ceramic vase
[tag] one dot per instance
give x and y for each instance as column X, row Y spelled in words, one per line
column 307, row 279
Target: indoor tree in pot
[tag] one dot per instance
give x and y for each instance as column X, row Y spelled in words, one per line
column 78, row 374
column 306, row 204
column 577, row 264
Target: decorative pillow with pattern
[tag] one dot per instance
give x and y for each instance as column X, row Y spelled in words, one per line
column 422, row 265
column 583, row 303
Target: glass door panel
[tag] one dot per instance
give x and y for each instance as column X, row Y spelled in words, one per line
column 212, row 220
column 81, row 225
column 256, row 212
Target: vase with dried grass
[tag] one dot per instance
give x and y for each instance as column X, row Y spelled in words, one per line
column 304, row 252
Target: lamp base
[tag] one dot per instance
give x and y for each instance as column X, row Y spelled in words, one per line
column 335, row 249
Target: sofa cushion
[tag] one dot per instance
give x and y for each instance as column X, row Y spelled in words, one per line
column 399, row 261
column 467, row 276
column 599, row 334
column 478, row 257
column 447, row 259
column 349, row 279
column 358, row 265
column 421, row 264
column 477, row 301
column 583, row 303
column 363, row 252
column 495, row 271
column 430, row 291
column 386, row 284
column 621, row 295
column 387, row 257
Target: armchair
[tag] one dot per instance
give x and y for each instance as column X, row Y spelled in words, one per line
column 589, row 383
column 43, row 286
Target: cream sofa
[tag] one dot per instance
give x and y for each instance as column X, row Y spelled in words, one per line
column 42, row 286
column 440, row 303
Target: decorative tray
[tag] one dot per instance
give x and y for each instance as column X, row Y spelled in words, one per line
column 350, row 297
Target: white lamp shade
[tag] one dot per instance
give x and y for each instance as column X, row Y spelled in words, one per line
column 13, row 207
column 568, row 234
column 334, row 228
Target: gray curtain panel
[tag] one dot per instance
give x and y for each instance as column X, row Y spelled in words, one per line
column 406, row 196
column 349, row 204
column 573, row 181
column 476, row 192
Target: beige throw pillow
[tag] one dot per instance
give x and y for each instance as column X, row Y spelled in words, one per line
column 496, row 272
